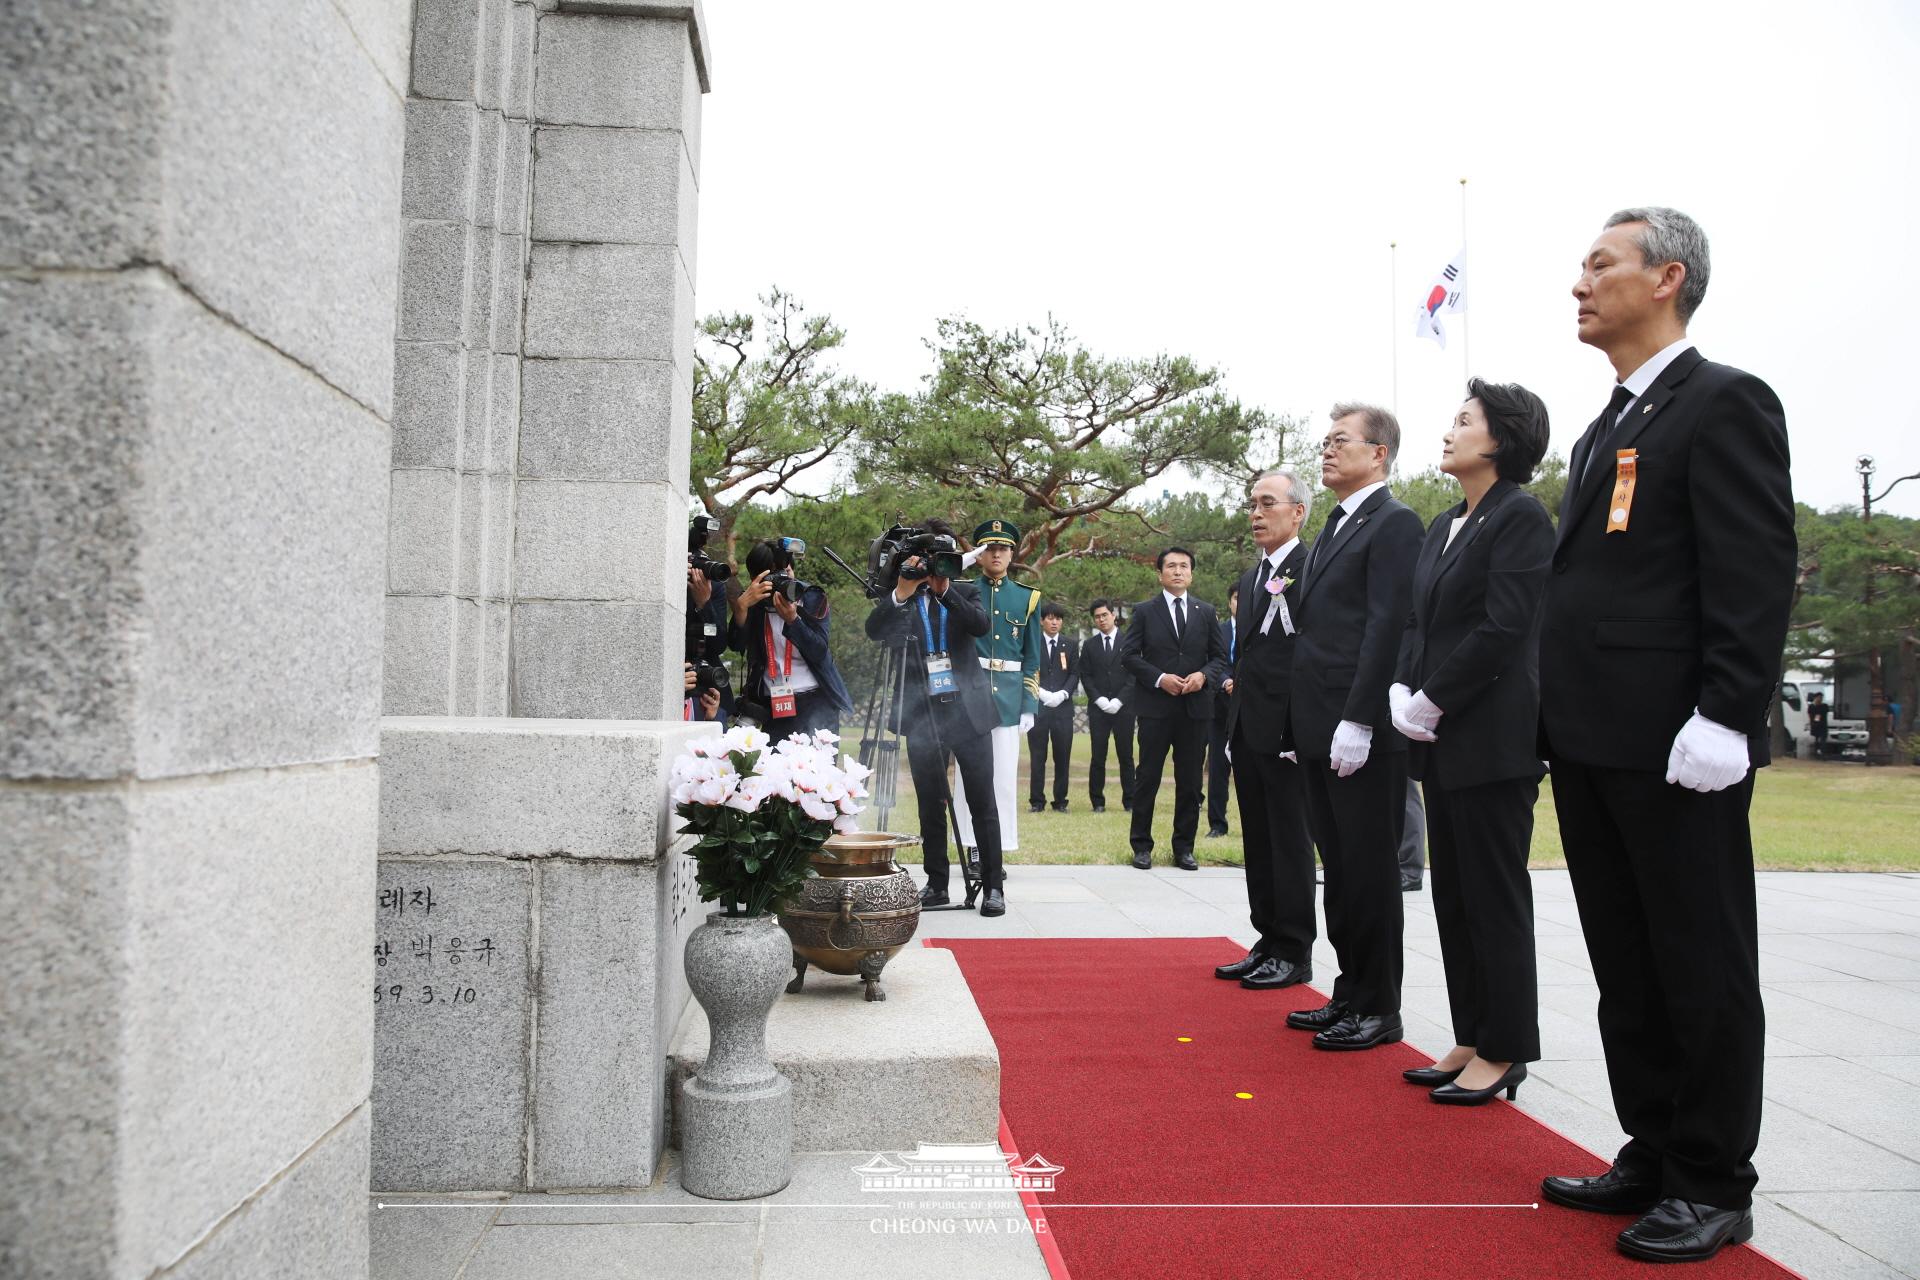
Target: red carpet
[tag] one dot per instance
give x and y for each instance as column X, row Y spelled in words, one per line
column 1095, row 1078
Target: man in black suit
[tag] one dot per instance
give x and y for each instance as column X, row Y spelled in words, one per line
column 1267, row 774
column 946, row 709
column 1353, row 607
column 1053, row 721
column 1108, row 711
column 1661, row 634
column 1173, row 652
column 1217, row 764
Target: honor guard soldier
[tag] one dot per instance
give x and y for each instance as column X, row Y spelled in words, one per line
column 1010, row 652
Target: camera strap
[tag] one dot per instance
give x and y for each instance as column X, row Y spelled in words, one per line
column 940, row 681
column 779, row 683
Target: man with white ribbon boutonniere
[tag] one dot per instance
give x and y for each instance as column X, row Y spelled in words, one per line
column 1267, row 778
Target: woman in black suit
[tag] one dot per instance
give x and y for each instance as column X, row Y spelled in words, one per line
column 1467, row 693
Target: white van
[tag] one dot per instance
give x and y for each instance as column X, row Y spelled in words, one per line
column 1845, row 738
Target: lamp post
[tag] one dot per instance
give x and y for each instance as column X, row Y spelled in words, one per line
column 1879, row 748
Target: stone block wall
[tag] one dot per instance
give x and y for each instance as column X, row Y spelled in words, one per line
column 543, row 402
column 527, row 945
column 199, row 246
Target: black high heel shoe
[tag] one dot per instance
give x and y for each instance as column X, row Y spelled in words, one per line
column 1430, row 1076
column 1454, row 1095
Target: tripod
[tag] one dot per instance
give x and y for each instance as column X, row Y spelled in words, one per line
column 880, row 745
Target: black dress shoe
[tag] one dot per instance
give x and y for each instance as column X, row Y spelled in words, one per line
column 1614, row 1191
column 1099, row 808
column 1317, row 1019
column 1214, row 833
column 1277, row 973
column 931, row 897
column 1036, row 806
column 1143, row 862
column 994, row 904
column 1429, row 1076
column 1185, row 862
column 1059, row 806
column 1453, row 1095
column 1242, row 967
column 1409, row 884
column 1682, row 1231
column 1361, row 1031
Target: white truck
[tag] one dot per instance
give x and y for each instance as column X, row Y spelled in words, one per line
column 1846, row 739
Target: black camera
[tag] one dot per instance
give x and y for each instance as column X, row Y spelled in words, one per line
column 790, row 587
column 698, row 533
column 710, row 675
column 938, row 552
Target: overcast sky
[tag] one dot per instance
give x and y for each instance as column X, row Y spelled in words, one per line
column 1223, row 180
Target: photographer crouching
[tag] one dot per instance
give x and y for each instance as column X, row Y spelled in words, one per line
column 780, row 623
column 708, row 695
column 946, row 706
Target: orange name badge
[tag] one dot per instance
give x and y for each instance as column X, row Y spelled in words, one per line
column 1620, row 505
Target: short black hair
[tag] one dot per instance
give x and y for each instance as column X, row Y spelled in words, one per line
column 1517, row 421
column 763, row 556
column 1103, row 603
column 1160, row 562
column 1052, row 610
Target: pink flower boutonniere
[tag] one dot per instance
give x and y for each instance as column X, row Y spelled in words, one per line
column 1276, row 585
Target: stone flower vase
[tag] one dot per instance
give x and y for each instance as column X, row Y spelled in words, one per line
column 736, row 1113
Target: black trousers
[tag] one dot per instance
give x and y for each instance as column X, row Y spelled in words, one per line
column 1356, row 822
column 1053, row 727
column 813, row 709
column 1217, row 770
column 1664, row 880
column 1279, row 852
column 1187, row 739
column 1413, row 836
column 928, row 765
column 1483, row 901
column 1120, row 729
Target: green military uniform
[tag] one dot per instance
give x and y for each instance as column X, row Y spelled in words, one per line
column 1013, row 644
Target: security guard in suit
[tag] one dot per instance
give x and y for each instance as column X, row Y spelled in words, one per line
column 1010, row 652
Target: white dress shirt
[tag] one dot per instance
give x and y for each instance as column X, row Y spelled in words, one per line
column 1640, row 379
column 803, row 678
column 1180, row 630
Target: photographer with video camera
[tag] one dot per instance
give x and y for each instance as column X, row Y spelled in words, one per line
column 946, row 707
column 780, row 623
column 709, row 692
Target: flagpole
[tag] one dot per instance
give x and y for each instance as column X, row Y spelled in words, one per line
column 1466, row 317
column 1393, row 300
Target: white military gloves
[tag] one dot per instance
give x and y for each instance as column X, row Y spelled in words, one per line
column 1026, row 721
column 1053, row 697
column 1109, row 705
column 1414, row 714
column 1352, row 743
column 1707, row 756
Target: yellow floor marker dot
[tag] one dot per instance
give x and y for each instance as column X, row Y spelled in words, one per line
column 1184, row 1039
column 1243, row 1095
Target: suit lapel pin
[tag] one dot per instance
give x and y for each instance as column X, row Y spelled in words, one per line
column 1646, row 408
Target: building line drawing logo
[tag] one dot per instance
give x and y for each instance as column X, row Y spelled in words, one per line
column 966, row 1166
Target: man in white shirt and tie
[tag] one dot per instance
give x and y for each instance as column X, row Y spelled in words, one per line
column 1052, row 728
column 1109, row 714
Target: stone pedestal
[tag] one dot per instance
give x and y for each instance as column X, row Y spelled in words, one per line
column 529, row 921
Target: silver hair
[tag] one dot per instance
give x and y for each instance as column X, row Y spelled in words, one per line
column 1297, row 490
column 1671, row 236
column 1382, row 427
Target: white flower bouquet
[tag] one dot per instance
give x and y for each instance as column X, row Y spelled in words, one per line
column 762, row 811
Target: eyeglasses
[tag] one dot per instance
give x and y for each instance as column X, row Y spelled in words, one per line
column 1266, row 503
column 1333, row 444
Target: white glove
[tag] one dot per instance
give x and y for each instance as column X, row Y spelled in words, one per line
column 968, row 558
column 1414, row 715
column 1707, row 756
column 1026, row 721
column 1053, row 697
column 1398, row 695
column 1352, row 743
column 1109, row 705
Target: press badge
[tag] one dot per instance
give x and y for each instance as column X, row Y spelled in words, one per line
column 781, row 699
column 1620, row 504
column 940, row 675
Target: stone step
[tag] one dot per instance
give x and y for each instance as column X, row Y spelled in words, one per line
column 885, row 1075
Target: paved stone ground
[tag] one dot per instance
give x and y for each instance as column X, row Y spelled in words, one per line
column 1839, row 1155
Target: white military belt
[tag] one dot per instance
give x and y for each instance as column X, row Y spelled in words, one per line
column 1001, row 664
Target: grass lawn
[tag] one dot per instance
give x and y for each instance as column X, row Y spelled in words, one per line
column 1806, row 817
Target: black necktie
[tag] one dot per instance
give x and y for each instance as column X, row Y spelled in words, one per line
column 1608, row 421
column 1179, row 616
column 1260, row 580
column 1326, row 536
